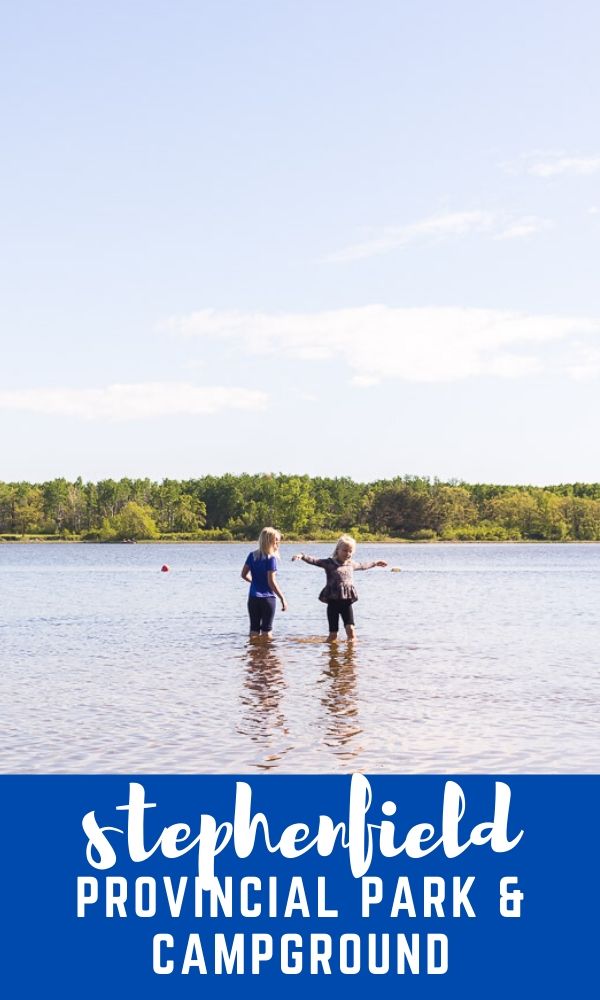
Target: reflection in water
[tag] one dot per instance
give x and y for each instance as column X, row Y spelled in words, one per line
column 263, row 720
column 339, row 699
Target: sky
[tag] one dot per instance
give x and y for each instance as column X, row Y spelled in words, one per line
column 303, row 236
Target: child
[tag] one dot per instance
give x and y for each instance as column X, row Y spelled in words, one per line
column 259, row 571
column 339, row 593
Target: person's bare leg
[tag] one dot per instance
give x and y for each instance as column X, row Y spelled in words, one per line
column 350, row 633
column 332, row 637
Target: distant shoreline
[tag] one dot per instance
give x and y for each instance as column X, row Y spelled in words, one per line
column 302, row 541
column 230, row 508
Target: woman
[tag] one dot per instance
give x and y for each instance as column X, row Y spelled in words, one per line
column 260, row 570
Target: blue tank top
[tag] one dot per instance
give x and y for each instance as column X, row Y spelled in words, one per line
column 259, row 569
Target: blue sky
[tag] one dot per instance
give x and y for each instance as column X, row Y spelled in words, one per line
column 335, row 238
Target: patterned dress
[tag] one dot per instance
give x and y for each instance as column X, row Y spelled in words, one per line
column 340, row 578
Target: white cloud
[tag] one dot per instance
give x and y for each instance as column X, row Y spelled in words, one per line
column 132, row 402
column 414, row 344
column 556, row 165
column 438, row 227
column 522, row 228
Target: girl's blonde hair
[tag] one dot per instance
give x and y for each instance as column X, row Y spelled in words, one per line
column 267, row 542
column 344, row 540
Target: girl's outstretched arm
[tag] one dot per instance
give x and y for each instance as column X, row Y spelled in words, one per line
column 309, row 559
column 246, row 574
column 369, row 565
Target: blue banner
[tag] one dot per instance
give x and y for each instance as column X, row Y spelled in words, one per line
column 213, row 885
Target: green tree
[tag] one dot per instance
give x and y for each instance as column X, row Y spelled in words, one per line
column 402, row 509
column 29, row 509
column 189, row 514
column 134, row 521
column 515, row 510
column 223, row 498
column 294, row 507
column 56, row 503
column 451, row 506
column 112, row 496
column 583, row 517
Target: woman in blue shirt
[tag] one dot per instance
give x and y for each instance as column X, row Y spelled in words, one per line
column 260, row 570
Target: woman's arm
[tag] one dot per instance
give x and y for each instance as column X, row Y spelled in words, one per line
column 246, row 574
column 273, row 585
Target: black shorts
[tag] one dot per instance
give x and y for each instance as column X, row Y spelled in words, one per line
column 262, row 613
column 337, row 608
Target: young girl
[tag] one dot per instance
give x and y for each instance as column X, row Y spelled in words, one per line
column 339, row 593
column 259, row 571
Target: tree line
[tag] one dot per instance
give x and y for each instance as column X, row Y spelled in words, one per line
column 232, row 507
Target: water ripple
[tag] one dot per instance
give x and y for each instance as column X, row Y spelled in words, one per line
column 474, row 658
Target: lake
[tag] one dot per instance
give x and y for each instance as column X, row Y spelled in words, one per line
column 473, row 658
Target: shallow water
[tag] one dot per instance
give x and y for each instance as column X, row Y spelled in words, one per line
column 472, row 658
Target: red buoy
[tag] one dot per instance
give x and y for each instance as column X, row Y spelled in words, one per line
column 164, row 568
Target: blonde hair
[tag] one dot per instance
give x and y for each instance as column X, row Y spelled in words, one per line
column 344, row 540
column 267, row 542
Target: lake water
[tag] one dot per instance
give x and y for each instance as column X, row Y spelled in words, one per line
column 473, row 658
